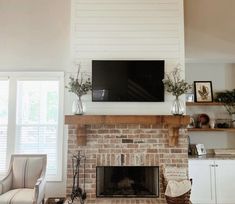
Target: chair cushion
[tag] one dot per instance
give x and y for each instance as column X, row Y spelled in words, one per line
column 18, row 196
column 26, row 171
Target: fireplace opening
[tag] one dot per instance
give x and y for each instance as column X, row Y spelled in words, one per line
column 128, row 181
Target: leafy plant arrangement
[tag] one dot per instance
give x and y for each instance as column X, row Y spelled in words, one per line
column 177, row 86
column 174, row 84
column 78, row 85
column 228, row 99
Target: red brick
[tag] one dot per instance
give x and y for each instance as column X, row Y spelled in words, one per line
column 127, row 141
column 134, row 136
column 112, row 131
column 116, row 151
column 127, row 131
column 176, row 150
column 132, row 145
column 128, row 151
column 104, row 151
column 101, row 131
column 121, row 136
column 115, row 141
column 152, row 151
column 145, row 136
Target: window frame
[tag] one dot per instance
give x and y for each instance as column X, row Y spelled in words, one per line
column 12, row 78
column 4, row 78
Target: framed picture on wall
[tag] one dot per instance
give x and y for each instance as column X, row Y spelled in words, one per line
column 201, row 150
column 203, row 91
column 189, row 97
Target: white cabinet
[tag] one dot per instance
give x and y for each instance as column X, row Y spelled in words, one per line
column 225, row 181
column 203, row 175
column 213, row 181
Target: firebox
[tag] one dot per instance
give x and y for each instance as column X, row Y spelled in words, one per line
column 127, row 181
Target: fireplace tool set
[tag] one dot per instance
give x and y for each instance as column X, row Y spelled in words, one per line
column 77, row 192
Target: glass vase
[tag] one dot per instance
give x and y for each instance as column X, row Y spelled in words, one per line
column 177, row 107
column 233, row 120
column 77, row 107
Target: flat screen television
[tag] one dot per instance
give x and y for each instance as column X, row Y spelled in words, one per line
column 128, row 80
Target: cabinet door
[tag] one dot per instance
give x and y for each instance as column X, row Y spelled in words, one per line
column 203, row 188
column 225, row 181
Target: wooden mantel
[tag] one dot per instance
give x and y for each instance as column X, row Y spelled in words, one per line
column 174, row 123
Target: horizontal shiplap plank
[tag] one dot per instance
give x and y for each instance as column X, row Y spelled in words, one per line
column 126, row 20
column 125, row 1
column 143, row 6
column 136, row 13
column 136, row 54
column 133, row 41
column 125, row 35
column 126, row 48
column 120, row 27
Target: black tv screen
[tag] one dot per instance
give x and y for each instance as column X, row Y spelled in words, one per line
column 128, row 80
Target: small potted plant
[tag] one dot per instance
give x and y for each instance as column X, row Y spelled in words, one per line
column 79, row 86
column 228, row 100
column 177, row 86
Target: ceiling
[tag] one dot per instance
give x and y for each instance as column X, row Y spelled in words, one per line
column 210, row 30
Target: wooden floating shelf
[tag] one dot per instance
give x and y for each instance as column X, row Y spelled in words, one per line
column 211, row 130
column 204, row 104
column 174, row 123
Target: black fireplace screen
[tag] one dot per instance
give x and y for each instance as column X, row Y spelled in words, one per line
column 131, row 181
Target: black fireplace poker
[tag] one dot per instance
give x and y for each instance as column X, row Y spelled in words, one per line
column 77, row 192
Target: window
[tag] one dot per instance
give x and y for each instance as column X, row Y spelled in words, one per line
column 4, row 87
column 35, row 101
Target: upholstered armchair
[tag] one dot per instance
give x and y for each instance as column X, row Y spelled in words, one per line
column 25, row 181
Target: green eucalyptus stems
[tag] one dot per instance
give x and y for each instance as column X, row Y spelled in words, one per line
column 174, row 84
column 79, row 85
column 177, row 86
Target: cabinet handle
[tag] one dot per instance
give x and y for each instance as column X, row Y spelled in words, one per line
column 214, row 165
column 211, row 180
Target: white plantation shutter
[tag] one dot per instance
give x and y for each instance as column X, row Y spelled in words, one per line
column 31, row 118
column 4, row 90
column 37, row 120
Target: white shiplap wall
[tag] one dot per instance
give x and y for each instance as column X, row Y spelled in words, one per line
column 127, row 29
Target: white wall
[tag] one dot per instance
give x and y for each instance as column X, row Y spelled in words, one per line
column 35, row 36
column 127, row 29
column 209, row 30
column 222, row 76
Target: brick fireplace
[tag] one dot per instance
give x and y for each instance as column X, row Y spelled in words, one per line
column 112, row 143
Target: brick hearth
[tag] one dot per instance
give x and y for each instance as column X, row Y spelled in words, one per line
column 141, row 145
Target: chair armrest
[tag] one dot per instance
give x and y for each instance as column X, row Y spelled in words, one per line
column 5, row 183
column 39, row 190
